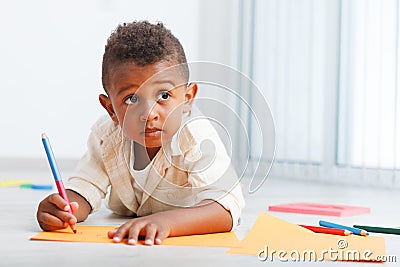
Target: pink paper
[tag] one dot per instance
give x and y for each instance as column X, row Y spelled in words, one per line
column 320, row 209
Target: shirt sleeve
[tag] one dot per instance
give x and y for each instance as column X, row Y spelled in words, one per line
column 90, row 179
column 213, row 177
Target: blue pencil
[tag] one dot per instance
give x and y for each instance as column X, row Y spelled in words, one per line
column 56, row 174
column 355, row 231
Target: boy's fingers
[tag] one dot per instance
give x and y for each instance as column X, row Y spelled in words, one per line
column 151, row 230
column 161, row 235
column 62, row 216
column 74, row 206
column 49, row 222
column 58, row 201
column 65, row 217
column 111, row 233
column 121, row 232
column 134, row 234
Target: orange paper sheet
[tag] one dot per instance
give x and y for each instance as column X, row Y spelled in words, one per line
column 270, row 235
column 98, row 234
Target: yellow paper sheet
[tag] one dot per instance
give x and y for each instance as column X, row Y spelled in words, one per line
column 272, row 235
column 98, row 234
column 14, row 182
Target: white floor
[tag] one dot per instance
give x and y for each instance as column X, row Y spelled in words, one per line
column 18, row 223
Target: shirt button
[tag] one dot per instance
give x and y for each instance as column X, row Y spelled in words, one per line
column 170, row 195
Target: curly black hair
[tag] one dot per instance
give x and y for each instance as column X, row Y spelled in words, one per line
column 142, row 43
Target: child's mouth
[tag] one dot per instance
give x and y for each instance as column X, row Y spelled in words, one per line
column 152, row 132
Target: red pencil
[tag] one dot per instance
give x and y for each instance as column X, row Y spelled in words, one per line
column 325, row 230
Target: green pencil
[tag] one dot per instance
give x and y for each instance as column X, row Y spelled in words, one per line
column 374, row 229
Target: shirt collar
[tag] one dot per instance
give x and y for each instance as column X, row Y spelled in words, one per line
column 183, row 139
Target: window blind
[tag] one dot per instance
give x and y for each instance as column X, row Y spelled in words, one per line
column 329, row 70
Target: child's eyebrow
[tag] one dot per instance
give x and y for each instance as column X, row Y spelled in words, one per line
column 156, row 82
column 125, row 88
column 165, row 82
column 174, row 85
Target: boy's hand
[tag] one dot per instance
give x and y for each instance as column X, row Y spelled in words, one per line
column 52, row 213
column 155, row 228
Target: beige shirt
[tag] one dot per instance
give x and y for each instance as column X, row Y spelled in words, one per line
column 194, row 166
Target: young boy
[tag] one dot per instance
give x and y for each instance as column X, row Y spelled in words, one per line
column 149, row 158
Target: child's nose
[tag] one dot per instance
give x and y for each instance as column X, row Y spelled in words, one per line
column 149, row 112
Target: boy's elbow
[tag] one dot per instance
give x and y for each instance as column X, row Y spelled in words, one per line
column 229, row 223
column 226, row 219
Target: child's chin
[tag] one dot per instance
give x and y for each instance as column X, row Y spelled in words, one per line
column 152, row 142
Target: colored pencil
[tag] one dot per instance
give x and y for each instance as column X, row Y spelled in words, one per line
column 355, row 231
column 383, row 230
column 56, row 174
column 325, row 230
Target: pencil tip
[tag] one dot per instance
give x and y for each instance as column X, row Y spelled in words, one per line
column 73, row 227
column 364, row 233
column 44, row 135
column 347, row 232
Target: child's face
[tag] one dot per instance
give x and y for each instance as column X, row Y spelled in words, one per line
column 148, row 108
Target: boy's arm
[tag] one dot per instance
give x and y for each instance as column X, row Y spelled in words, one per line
column 208, row 217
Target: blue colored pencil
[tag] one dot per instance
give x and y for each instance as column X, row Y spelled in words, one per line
column 355, row 231
column 56, row 174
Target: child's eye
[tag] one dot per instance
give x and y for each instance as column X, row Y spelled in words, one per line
column 163, row 96
column 132, row 99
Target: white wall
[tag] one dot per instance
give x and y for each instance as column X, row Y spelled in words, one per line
column 50, row 65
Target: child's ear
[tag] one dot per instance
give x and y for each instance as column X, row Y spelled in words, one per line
column 107, row 105
column 190, row 94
